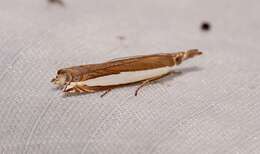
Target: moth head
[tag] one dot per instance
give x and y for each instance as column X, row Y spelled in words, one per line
column 61, row 78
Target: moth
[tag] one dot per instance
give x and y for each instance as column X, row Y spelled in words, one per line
column 115, row 73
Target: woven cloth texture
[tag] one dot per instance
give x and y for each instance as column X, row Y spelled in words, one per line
column 212, row 107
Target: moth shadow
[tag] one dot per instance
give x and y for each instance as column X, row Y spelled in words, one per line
column 65, row 95
column 181, row 72
column 56, row 88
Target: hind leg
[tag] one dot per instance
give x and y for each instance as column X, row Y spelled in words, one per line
column 146, row 82
column 107, row 91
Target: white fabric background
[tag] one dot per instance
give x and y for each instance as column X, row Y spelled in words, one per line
column 212, row 108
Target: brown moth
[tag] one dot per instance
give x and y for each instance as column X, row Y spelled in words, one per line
column 119, row 72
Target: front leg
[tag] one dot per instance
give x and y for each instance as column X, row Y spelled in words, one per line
column 79, row 89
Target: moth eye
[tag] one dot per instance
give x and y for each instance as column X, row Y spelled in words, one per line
column 76, row 78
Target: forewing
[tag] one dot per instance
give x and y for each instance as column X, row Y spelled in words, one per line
column 126, row 64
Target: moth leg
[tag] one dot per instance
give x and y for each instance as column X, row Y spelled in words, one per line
column 72, row 90
column 79, row 89
column 66, row 85
column 145, row 82
column 107, row 91
column 84, row 89
column 141, row 86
